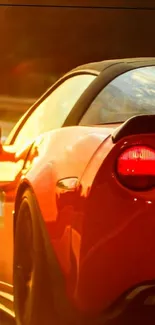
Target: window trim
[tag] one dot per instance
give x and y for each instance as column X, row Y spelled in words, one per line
column 105, row 77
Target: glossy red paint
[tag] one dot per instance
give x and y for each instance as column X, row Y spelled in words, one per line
column 101, row 231
column 11, row 163
column 70, row 158
column 116, row 246
column 107, row 228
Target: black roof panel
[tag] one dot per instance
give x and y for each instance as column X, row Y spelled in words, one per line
column 100, row 66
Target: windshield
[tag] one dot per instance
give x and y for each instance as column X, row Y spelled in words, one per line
column 132, row 93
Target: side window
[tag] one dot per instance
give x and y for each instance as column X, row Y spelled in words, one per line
column 53, row 111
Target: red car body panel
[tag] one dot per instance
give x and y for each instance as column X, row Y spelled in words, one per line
column 69, row 159
column 69, row 140
column 101, row 232
column 104, row 225
column 117, row 231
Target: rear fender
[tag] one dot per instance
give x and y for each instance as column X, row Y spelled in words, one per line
column 115, row 230
column 61, row 154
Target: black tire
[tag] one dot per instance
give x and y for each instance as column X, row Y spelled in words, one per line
column 32, row 287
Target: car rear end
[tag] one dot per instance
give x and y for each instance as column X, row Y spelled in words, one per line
column 117, row 254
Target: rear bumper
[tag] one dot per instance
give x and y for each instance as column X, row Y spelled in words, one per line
column 121, row 260
column 136, row 306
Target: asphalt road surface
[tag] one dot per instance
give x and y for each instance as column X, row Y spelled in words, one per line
column 6, row 320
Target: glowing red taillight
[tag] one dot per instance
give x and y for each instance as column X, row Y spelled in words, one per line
column 136, row 167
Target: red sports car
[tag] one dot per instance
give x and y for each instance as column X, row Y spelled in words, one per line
column 80, row 168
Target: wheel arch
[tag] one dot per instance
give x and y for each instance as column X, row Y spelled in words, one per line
column 21, row 189
column 56, row 278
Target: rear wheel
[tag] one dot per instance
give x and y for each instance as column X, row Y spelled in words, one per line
column 32, row 289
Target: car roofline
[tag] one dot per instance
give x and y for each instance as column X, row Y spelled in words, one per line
column 92, row 68
column 99, row 66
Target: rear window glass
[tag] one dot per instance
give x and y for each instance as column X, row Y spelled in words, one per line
column 130, row 94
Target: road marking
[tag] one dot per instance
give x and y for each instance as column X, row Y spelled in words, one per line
column 7, row 311
column 6, row 284
column 7, row 296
